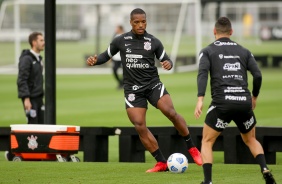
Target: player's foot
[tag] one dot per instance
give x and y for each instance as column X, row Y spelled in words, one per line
column 268, row 177
column 159, row 167
column 196, row 155
column 206, row 182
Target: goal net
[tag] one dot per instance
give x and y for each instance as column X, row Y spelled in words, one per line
column 87, row 26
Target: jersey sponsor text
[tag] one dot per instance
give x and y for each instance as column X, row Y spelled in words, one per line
column 249, row 123
column 219, row 43
column 234, row 90
column 236, row 98
column 235, row 77
column 221, row 124
column 232, row 67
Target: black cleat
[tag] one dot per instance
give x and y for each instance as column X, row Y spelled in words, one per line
column 268, row 177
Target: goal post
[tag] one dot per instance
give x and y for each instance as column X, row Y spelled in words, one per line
column 174, row 30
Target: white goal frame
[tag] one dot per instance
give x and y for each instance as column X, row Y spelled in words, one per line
column 177, row 35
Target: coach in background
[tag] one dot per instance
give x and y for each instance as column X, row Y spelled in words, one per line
column 30, row 79
column 228, row 64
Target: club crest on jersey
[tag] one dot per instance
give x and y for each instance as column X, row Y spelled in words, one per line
column 147, row 45
column 131, row 97
column 32, row 144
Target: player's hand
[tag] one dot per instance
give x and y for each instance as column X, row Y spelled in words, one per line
column 27, row 104
column 199, row 108
column 92, row 60
column 166, row 65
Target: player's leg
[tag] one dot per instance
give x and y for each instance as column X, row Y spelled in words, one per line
column 256, row 149
column 138, row 118
column 209, row 137
column 165, row 105
column 217, row 119
column 246, row 122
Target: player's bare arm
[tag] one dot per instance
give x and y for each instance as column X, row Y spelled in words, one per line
column 92, row 60
column 166, row 65
column 199, row 107
column 27, row 104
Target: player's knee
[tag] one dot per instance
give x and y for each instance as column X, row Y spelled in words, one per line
column 172, row 115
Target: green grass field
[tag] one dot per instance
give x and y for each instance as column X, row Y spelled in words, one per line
column 92, row 100
column 125, row 173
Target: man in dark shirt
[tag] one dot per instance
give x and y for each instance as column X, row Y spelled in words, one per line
column 117, row 60
column 30, row 79
column 228, row 64
column 138, row 50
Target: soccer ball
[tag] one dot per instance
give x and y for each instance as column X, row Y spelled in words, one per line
column 177, row 163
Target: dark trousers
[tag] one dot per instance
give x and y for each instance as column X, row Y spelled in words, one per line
column 36, row 114
column 116, row 66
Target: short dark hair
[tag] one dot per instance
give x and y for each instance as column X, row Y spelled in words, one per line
column 137, row 11
column 223, row 25
column 32, row 37
column 120, row 27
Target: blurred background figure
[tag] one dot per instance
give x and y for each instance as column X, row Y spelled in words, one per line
column 117, row 60
column 30, row 79
column 247, row 23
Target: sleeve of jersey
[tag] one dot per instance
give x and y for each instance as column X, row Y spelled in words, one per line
column 202, row 79
column 110, row 52
column 160, row 53
column 256, row 73
column 23, row 77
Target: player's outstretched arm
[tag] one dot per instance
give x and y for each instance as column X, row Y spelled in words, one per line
column 92, row 60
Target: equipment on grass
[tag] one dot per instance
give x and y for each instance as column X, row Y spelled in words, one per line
column 177, row 163
column 45, row 142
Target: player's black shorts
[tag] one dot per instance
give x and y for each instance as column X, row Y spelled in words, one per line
column 140, row 98
column 219, row 117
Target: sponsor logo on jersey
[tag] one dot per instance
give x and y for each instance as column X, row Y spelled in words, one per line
column 220, row 124
column 128, row 50
column 232, row 66
column 221, row 56
column 211, row 108
column 236, row 98
column 147, row 45
column 235, row 77
column 249, row 123
column 145, row 38
column 133, row 56
column 132, row 61
column 127, row 44
column 234, row 90
column 135, row 87
column 128, row 37
column 158, row 84
column 219, row 43
column 131, row 97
